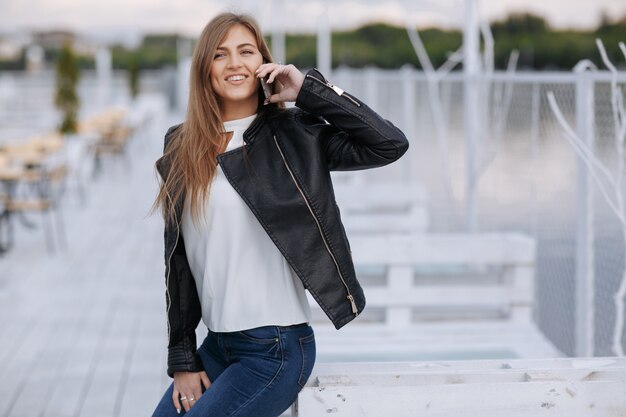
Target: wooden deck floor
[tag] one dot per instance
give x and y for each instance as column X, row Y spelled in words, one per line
column 83, row 331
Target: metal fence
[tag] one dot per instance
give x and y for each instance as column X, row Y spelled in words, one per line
column 527, row 178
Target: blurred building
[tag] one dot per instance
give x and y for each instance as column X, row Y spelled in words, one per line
column 13, row 43
column 55, row 39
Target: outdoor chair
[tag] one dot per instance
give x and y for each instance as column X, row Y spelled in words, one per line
column 39, row 190
column 81, row 158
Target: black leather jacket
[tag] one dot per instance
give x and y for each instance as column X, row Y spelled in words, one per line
column 282, row 174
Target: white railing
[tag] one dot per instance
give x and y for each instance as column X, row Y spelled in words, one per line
column 454, row 295
column 495, row 388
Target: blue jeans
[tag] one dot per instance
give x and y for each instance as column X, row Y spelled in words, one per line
column 256, row 372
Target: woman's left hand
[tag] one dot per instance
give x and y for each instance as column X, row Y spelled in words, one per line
column 289, row 77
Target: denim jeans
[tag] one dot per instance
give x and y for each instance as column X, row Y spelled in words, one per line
column 256, row 372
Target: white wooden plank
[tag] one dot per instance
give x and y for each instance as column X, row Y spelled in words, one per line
column 498, row 249
column 441, row 296
column 478, row 366
column 555, row 387
column 555, row 399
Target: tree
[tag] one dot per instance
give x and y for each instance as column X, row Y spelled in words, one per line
column 520, row 24
column 133, row 76
column 66, row 97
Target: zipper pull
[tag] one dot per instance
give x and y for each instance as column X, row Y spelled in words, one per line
column 340, row 93
column 337, row 90
column 354, row 309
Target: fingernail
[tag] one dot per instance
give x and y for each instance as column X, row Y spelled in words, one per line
column 266, row 102
column 178, row 410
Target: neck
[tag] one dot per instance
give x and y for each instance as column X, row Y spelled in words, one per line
column 234, row 111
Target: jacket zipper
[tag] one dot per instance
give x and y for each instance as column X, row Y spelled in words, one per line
column 293, row 178
column 336, row 89
column 169, row 270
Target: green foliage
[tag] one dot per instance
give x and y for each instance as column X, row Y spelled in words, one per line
column 611, row 32
column 440, row 44
column 377, row 44
column 301, row 50
column 82, row 61
column 522, row 24
column 380, row 45
column 542, row 48
column 155, row 51
column 66, row 97
column 133, row 77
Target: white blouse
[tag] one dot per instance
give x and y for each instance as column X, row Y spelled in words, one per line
column 242, row 279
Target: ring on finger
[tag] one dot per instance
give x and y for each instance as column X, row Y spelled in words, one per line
column 192, row 398
column 183, row 398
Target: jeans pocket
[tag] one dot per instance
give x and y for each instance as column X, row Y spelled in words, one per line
column 307, row 348
column 262, row 335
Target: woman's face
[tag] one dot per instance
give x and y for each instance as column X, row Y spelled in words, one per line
column 232, row 72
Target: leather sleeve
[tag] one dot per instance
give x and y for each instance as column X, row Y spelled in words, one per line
column 355, row 137
column 182, row 302
column 183, row 315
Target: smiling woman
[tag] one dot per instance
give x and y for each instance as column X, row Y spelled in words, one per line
column 251, row 223
column 233, row 73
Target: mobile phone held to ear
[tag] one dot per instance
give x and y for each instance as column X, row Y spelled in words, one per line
column 268, row 90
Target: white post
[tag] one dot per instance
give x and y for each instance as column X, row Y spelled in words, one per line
column 534, row 156
column 471, row 112
column 371, row 87
column 324, row 44
column 104, row 75
column 278, row 45
column 584, row 218
column 183, row 71
column 35, row 59
column 409, row 114
column 400, row 280
column 275, row 13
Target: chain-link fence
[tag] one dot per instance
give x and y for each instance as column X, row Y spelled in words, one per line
column 529, row 179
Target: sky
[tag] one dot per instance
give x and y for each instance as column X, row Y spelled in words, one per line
column 189, row 16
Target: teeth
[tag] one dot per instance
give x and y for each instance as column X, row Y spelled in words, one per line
column 236, row 78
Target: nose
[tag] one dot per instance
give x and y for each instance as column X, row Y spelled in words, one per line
column 234, row 61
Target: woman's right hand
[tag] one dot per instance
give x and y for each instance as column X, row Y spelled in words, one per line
column 188, row 388
column 288, row 76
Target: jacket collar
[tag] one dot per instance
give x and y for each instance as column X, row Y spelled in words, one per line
column 264, row 115
column 163, row 164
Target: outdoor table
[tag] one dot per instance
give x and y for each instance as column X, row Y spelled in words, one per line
column 24, row 162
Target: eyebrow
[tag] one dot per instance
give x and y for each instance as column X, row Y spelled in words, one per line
column 238, row 46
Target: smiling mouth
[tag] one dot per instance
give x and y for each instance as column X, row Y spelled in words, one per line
column 236, row 78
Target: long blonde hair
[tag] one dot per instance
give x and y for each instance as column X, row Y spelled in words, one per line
column 193, row 148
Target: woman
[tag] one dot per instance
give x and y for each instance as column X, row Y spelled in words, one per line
column 251, row 222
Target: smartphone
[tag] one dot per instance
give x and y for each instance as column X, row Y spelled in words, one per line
column 268, row 90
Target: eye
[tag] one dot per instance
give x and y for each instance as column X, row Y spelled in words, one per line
column 218, row 55
column 247, row 52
